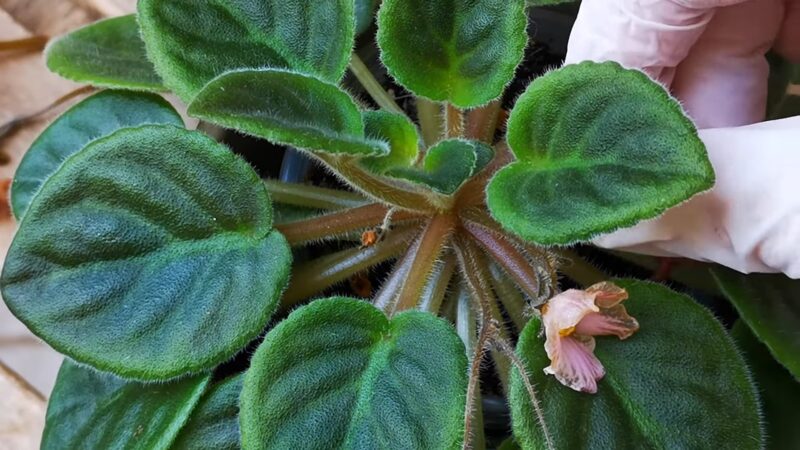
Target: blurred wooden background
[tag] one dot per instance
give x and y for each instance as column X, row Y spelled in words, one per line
column 27, row 366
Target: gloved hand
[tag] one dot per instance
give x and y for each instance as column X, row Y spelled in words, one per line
column 710, row 54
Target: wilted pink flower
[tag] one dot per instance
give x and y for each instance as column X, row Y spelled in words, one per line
column 571, row 319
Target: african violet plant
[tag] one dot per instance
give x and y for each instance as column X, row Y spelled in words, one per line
column 149, row 254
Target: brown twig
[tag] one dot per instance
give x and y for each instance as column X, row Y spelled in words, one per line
column 8, row 127
column 24, row 45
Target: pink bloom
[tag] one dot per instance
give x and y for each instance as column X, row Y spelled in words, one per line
column 571, row 319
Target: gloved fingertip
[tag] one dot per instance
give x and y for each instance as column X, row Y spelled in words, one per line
column 788, row 42
column 781, row 248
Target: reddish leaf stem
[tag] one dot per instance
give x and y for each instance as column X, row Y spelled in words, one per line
column 399, row 193
column 508, row 255
column 436, row 289
column 431, row 244
column 339, row 223
column 315, row 197
column 319, row 274
column 454, row 121
column 482, row 122
column 386, row 297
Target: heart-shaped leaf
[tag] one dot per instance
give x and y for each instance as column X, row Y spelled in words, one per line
column 192, row 43
column 149, row 254
column 779, row 391
column 339, row 375
column 107, row 53
column 94, row 117
column 399, row 132
column 679, row 382
column 599, row 147
column 214, row 423
column 288, row 108
column 535, row 3
column 456, row 51
column 95, row 410
column 447, row 165
column 770, row 306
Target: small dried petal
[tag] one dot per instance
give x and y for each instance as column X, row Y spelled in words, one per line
column 609, row 321
column 607, row 294
column 577, row 367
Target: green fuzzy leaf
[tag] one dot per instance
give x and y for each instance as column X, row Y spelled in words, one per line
column 191, row 44
column 339, row 375
column 679, row 382
column 483, row 156
column 287, row 108
column 446, row 166
column 365, row 12
column 535, row 3
column 779, row 391
column 214, row 424
column 92, row 118
column 463, row 52
column 149, row 254
column 108, row 53
column 399, row 132
column 598, row 147
column 770, row 306
column 96, row 410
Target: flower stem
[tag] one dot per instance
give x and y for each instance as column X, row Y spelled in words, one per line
column 476, row 271
column 314, row 197
column 501, row 363
column 431, row 244
column 431, row 121
column 504, row 347
column 372, row 86
column 476, row 351
column 319, row 274
column 470, row 259
column 339, row 223
column 454, row 121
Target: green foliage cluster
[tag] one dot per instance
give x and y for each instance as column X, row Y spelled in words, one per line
column 149, row 255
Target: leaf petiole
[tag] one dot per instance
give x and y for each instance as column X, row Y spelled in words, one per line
column 308, row 196
column 372, row 86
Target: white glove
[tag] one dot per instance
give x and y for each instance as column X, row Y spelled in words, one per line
column 710, row 54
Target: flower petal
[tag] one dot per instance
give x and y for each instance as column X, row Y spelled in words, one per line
column 607, row 294
column 566, row 309
column 576, row 366
column 611, row 321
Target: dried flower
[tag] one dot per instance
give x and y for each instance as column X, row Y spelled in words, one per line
column 571, row 319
